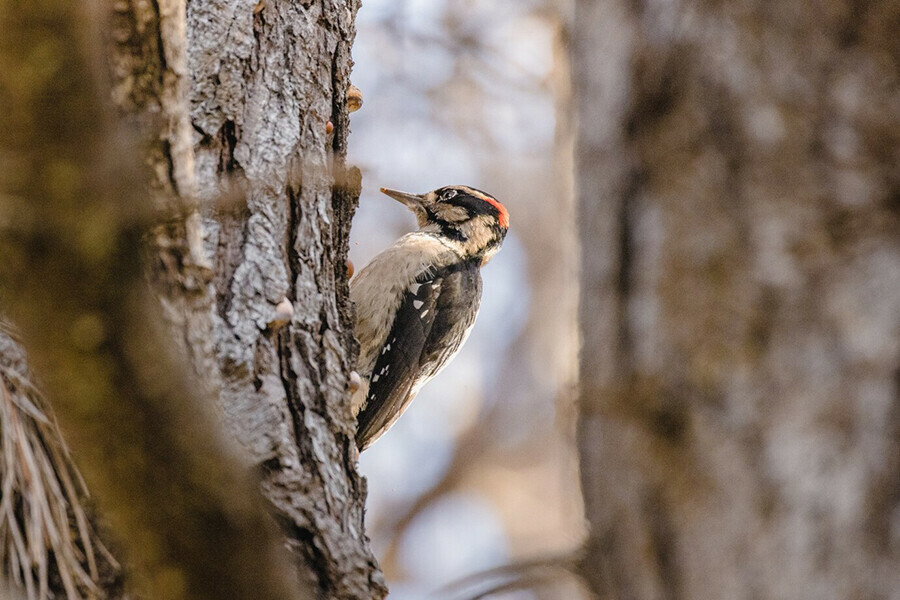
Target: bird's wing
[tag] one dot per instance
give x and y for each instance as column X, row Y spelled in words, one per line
column 434, row 310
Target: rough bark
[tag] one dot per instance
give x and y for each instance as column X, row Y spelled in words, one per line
column 256, row 83
column 73, row 221
column 147, row 57
column 265, row 80
column 230, row 101
column 738, row 188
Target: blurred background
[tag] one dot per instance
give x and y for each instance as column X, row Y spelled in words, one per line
column 481, row 470
column 729, row 284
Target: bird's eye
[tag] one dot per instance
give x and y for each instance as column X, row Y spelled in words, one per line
column 449, row 194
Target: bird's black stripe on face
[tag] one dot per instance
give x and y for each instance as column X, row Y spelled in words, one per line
column 451, row 230
column 472, row 205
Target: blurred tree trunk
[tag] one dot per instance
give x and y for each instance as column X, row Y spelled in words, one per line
column 738, row 184
column 253, row 204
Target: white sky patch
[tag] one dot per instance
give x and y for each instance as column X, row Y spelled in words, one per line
column 440, row 529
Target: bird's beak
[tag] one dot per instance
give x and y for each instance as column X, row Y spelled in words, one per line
column 413, row 201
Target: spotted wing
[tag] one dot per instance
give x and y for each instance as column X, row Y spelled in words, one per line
column 434, row 318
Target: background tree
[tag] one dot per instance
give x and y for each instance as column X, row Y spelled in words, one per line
column 738, row 184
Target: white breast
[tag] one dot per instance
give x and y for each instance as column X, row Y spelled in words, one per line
column 380, row 286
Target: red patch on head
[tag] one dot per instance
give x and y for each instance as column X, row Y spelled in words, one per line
column 503, row 217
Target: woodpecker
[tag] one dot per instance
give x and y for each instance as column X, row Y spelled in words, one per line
column 416, row 302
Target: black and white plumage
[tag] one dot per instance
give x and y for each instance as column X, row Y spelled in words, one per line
column 416, row 302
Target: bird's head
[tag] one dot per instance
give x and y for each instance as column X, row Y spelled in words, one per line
column 473, row 221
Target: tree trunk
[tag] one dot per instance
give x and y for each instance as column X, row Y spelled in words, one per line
column 266, row 78
column 232, row 100
column 74, row 216
column 738, row 188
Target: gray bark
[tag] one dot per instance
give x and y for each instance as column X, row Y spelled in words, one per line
column 265, row 80
column 738, row 186
column 231, row 100
column 253, row 85
column 73, row 220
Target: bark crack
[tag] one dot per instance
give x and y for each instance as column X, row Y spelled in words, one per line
column 624, row 273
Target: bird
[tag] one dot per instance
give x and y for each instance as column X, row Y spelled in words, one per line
column 416, row 301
